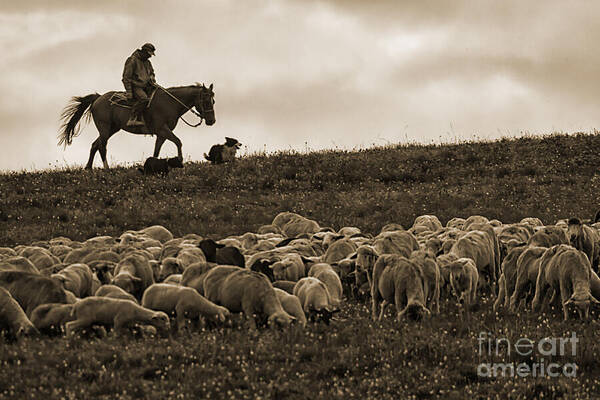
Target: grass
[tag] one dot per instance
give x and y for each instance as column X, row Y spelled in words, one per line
column 551, row 178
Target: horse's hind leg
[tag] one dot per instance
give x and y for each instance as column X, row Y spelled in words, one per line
column 95, row 147
column 102, row 149
column 103, row 124
column 103, row 140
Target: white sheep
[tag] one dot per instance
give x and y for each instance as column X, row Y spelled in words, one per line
column 117, row 313
column 184, row 302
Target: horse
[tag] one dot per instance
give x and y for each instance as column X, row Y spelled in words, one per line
column 161, row 115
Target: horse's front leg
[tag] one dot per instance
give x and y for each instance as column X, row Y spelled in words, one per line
column 159, row 142
column 168, row 134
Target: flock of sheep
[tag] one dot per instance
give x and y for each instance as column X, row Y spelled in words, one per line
column 291, row 271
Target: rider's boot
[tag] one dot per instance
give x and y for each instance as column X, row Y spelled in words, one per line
column 134, row 121
column 135, row 117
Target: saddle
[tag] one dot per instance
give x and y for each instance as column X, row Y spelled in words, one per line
column 120, row 99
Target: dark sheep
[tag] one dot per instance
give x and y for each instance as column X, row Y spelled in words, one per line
column 264, row 266
column 221, row 254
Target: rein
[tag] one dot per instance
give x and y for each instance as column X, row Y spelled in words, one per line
column 187, row 108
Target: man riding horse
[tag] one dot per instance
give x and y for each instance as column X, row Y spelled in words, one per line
column 139, row 81
column 110, row 116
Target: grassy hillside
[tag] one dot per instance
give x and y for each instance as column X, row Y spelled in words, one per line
column 550, row 178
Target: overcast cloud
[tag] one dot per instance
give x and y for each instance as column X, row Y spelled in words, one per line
column 300, row 74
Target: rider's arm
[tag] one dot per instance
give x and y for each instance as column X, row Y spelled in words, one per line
column 128, row 72
column 127, row 78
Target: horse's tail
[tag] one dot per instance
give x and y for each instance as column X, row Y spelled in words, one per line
column 78, row 107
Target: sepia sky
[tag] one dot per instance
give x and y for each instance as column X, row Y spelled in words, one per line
column 303, row 74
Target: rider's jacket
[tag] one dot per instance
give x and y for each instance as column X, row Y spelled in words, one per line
column 138, row 72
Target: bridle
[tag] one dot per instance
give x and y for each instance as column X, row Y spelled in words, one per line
column 199, row 115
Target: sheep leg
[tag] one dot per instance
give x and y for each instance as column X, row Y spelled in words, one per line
column 249, row 313
column 369, row 279
column 564, row 295
column 541, row 287
column 120, row 325
column 374, row 302
column 475, row 282
column 383, row 305
column 181, row 320
column 398, row 302
column 73, row 326
column 518, row 293
column 501, row 293
column 466, row 296
column 100, row 331
column 436, row 297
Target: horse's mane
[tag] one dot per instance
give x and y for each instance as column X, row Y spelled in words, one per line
column 196, row 85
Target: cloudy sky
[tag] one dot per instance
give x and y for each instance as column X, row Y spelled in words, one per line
column 303, row 74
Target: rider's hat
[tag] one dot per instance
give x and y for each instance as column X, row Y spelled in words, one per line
column 149, row 47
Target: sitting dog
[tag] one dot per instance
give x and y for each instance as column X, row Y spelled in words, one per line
column 221, row 153
column 161, row 166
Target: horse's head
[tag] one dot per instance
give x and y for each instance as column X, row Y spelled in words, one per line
column 205, row 104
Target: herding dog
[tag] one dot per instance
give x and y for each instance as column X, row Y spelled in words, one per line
column 161, row 166
column 221, row 153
